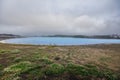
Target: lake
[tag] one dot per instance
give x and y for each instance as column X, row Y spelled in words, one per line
column 60, row 41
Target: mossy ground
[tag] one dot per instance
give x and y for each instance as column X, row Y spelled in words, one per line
column 29, row 62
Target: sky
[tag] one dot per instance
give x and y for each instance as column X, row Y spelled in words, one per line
column 63, row 17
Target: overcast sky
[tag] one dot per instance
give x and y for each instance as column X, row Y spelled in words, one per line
column 73, row 17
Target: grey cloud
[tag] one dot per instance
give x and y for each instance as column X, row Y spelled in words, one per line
column 42, row 17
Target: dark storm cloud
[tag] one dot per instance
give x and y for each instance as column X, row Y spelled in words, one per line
column 42, row 17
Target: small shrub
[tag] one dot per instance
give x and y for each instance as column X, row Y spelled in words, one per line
column 10, row 77
column 109, row 75
column 15, row 51
column 46, row 61
column 55, row 69
column 17, row 59
column 93, row 70
column 34, row 74
column 76, row 70
column 12, row 72
column 19, row 67
column 2, row 51
column 57, row 58
column 37, row 56
column 105, row 59
column 0, row 66
column 1, row 69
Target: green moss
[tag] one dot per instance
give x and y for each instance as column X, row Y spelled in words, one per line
column 110, row 75
column 105, row 59
column 54, row 69
column 1, row 69
column 37, row 56
column 76, row 69
column 43, row 63
column 12, row 72
column 15, row 51
column 10, row 77
column 90, row 70
column 2, row 51
column 19, row 67
column 34, row 74
column 18, row 59
column 0, row 66
column 46, row 61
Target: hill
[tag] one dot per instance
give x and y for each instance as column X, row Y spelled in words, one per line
column 7, row 36
column 114, row 36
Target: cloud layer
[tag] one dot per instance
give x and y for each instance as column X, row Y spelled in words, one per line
column 43, row 17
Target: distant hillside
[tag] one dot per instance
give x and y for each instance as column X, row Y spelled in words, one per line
column 114, row 36
column 7, row 36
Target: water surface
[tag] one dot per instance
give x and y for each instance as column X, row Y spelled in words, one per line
column 60, row 41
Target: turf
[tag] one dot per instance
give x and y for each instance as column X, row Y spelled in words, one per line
column 35, row 62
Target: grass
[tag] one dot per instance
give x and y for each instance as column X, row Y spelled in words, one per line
column 18, row 67
column 34, row 74
column 15, row 51
column 103, row 59
column 90, row 70
column 12, row 72
column 1, row 69
column 17, row 59
column 2, row 51
column 28, row 62
column 54, row 69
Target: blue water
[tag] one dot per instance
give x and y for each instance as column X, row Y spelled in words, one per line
column 60, row 41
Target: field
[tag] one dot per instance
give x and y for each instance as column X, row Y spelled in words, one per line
column 39, row 62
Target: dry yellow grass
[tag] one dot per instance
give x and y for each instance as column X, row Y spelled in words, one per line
column 107, row 56
column 103, row 56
